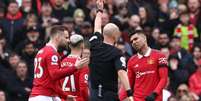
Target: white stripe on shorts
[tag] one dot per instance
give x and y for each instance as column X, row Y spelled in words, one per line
column 44, row 98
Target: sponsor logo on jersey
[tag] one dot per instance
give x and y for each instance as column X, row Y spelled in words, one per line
column 140, row 74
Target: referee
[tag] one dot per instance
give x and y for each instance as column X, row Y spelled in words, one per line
column 106, row 62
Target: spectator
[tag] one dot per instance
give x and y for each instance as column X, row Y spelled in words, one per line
column 133, row 6
column 110, row 6
column 28, row 53
column 182, row 90
column 122, row 16
column 192, row 63
column 2, row 13
column 23, row 84
column 68, row 22
column 195, row 13
column 155, row 33
column 32, row 35
column 150, row 40
column 12, row 22
column 30, row 21
column 13, row 61
column 60, row 12
column 163, row 14
column 86, row 30
column 134, row 23
column 92, row 15
column 173, row 5
column 165, row 51
column 1, row 31
column 105, row 18
column 145, row 14
column 2, row 95
column 177, row 73
column 186, row 31
column 26, row 7
column 78, row 17
column 4, row 51
column 46, row 19
column 182, row 8
column 89, row 8
column 163, row 40
column 195, row 80
column 172, row 98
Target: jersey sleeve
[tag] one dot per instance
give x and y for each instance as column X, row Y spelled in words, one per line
column 120, row 63
column 162, row 61
column 96, row 40
column 83, row 78
column 53, row 65
column 163, row 74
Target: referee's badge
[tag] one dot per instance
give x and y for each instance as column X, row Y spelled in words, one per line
column 150, row 61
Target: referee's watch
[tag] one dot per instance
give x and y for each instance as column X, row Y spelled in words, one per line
column 129, row 93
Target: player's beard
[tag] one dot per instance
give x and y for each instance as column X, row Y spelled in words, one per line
column 138, row 48
column 63, row 45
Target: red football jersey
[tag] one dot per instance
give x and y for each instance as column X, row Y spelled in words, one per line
column 84, row 91
column 147, row 74
column 77, row 83
column 47, row 71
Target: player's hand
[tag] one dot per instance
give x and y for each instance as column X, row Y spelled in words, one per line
column 151, row 97
column 81, row 63
column 100, row 4
column 71, row 98
column 174, row 64
column 129, row 99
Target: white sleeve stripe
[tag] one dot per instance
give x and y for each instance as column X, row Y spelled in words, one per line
column 93, row 38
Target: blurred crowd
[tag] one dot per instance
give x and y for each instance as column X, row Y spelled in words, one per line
column 171, row 26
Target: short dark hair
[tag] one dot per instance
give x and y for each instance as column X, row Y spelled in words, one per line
column 138, row 31
column 13, row 1
column 13, row 54
column 86, row 44
column 56, row 29
column 22, row 61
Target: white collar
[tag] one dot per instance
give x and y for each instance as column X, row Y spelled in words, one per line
column 146, row 54
column 49, row 44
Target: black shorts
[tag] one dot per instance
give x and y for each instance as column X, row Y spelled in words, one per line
column 106, row 96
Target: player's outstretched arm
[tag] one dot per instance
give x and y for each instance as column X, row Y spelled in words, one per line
column 125, row 82
column 98, row 19
column 56, row 73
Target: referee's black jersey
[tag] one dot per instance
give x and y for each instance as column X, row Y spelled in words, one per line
column 105, row 61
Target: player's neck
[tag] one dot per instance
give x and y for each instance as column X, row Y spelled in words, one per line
column 144, row 50
column 53, row 43
column 76, row 52
column 108, row 41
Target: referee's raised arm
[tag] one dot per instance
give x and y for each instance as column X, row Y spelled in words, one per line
column 98, row 19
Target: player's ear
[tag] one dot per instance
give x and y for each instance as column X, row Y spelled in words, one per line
column 70, row 46
column 57, row 37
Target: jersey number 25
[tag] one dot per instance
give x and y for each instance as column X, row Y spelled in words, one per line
column 38, row 70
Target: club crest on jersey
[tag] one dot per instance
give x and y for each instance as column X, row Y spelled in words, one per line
column 54, row 60
column 150, row 61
